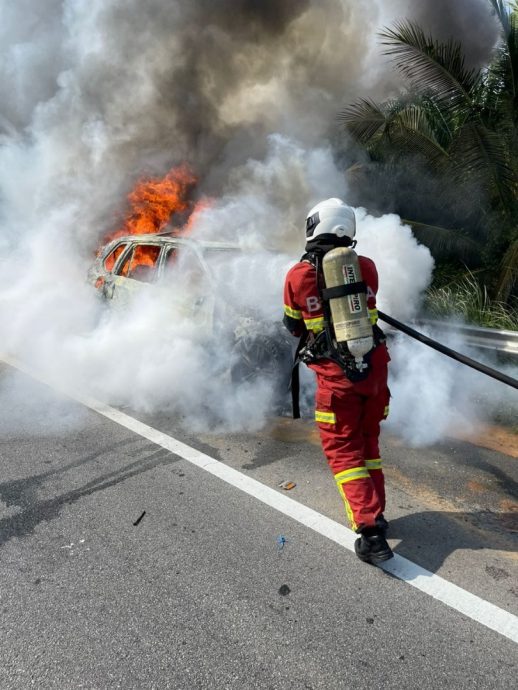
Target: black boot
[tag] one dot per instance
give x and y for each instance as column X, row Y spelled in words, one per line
column 372, row 547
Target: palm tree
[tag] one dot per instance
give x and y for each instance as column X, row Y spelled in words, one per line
column 451, row 139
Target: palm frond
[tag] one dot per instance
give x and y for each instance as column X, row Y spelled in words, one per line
column 444, row 241
column 503, row 71
column 410, row 130
column 431, row 66
column 511, row 43
column 501, row 11
column 479, row 155
column 364, row 120
column 394, row 124
column 442, row 121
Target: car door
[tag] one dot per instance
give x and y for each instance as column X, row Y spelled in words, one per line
column 187, row 284
column 135, row 274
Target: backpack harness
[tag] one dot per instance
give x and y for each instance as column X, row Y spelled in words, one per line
column 312, row 348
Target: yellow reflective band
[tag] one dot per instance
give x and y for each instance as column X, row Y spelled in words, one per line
column 351, row 475
column 315, row 325
column 325, row 417
column 373, row 316
column 373, row 464
column 386, row 411
column 292, row 313
column 348, row 510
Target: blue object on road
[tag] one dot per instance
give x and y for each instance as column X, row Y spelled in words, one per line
column 281, row 541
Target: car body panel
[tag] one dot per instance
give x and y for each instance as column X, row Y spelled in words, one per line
column 198, row 295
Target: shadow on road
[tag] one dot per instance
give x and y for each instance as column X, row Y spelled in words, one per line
column 23, row 492
column 428, row 538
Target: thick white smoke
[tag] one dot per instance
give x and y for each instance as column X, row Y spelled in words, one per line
column 432, row 395
column 96, row 93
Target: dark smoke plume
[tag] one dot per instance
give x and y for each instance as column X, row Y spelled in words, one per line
column 469, row 21
column 123, row 88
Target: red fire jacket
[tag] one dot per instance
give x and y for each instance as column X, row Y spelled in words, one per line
column 303, row 308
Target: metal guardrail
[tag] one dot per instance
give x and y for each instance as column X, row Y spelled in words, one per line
column 505, row 342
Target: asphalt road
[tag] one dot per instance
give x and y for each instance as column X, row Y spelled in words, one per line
column 202, row 593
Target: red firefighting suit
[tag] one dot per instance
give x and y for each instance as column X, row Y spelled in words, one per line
column 348, row 414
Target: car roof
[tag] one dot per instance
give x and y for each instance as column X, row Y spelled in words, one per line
column 156, row 238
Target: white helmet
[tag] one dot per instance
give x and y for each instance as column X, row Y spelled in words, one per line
column 330, row 217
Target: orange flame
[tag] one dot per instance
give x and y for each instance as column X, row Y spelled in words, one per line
column 154, row 201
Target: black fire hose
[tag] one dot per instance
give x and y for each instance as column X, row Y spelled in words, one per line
column 447, row 351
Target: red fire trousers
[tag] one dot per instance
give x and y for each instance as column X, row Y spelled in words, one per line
column 348, row 416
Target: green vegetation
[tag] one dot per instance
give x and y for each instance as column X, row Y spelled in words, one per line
column 444, row 156
column 469, row 301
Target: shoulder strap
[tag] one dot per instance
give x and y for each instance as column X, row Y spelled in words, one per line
column 310, row 257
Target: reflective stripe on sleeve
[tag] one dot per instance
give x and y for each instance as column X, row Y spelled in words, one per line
column 316, row 325
column 292, row 313
column 374, row 464
column 373, row 316
column 325, row 417
column 351, row 475
column 386, row 411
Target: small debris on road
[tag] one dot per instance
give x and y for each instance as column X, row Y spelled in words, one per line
column 284, row 590
column 287, row 485
column 139, row 519
column 281, row 540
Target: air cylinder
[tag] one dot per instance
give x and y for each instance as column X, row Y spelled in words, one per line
column 349, row 313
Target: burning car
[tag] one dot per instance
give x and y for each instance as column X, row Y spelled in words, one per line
column 200, row 280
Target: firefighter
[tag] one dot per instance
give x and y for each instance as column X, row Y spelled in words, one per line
column 352, row 395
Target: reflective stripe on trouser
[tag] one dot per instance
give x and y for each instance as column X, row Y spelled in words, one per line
column 348, row 417
column 343, row 478
column 358, row 490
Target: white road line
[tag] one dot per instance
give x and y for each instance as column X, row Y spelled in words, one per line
column 468, row 604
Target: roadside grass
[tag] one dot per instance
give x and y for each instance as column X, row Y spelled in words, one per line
column 464, row 299
column 468, row 301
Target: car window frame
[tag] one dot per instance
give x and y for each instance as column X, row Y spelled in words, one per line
column 166, row 245
column 177, row 245
column 113, row 248
column 129, row 251
column 209, row 270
